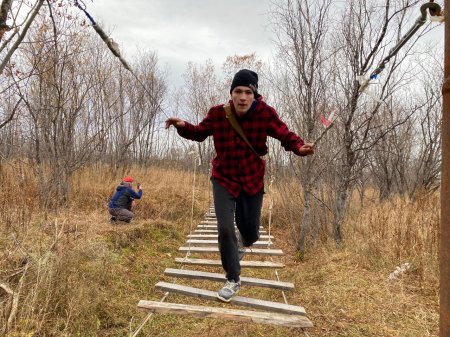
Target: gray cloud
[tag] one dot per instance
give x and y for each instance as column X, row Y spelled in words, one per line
column 181, row 31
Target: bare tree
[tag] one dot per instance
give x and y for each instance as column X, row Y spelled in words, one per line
column 154, row 79
column 426, row 151
column 136, row 109
column 10, row 110
column 6, row 11
column 407, row 159
column 201, row 88
column 30, row 17
column 301, row 28
column 235, row 63
column 389, row 158
column 74, row 111
column 56, row 100
column 364, row 33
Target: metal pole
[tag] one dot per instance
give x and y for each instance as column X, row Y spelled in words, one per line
column 444, row 261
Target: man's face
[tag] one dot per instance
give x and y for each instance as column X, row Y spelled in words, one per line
column 242, row 99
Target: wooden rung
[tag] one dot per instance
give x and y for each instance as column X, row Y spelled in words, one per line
column 214, row 226
column 214, row 231
column 238, row 300
column 246, row 264
column 250, row 281
column 254, row 251
column 214, row 243
column 292, row 321
column 207, row 226
column 214, row 236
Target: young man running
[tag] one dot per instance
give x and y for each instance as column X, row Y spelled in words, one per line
column 238, row 169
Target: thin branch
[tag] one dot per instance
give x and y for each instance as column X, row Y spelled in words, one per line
column 21, row 36
column 15, row 298
column 11, row 115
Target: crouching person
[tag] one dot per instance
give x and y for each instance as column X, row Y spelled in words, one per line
column 122, row 201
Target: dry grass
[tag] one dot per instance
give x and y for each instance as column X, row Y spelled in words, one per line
column 80, row 276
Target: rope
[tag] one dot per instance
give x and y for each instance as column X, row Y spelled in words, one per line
column 270, row 226
column 77, row 3
column 208, row 188
column 193, row 200
column 112, row 45
column 270, row 207
column 188, row 253
column 271, row 259
column 435, row 11
column 150, row 314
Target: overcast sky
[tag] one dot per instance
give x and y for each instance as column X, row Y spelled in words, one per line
column 187, row 30
column 181, row 31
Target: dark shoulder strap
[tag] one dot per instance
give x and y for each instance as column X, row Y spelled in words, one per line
column 234, row 123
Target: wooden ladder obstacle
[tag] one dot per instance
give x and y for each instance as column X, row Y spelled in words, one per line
column 203, row 240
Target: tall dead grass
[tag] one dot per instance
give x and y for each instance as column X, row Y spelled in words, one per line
column 347, row 290
column 73, row 274
column 62, row 267
column 399, row 230
column 383, row 234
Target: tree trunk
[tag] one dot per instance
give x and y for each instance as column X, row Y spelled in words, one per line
column 305, row 224
column 341, row 209
column 4, row 10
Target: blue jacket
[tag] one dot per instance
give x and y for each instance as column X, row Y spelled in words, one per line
column 124, row 196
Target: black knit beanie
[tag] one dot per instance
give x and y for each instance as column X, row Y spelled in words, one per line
column 246, row 78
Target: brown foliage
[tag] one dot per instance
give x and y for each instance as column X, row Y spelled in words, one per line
column 76, row 274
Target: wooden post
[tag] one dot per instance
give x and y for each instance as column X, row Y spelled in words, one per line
column 444, row 262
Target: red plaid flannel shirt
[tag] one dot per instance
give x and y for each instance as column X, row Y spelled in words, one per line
column 236, row 166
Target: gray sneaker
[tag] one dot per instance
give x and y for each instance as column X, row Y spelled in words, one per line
column 228, row 291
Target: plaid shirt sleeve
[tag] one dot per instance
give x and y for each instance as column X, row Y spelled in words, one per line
column 197, row 132
column 279, row 130
column 235, row 166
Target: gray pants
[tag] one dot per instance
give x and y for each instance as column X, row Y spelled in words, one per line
column 121, row 214
column 246, row 210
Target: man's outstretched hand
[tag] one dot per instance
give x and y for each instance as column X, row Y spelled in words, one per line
column 307, row 149
column 176, row 122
